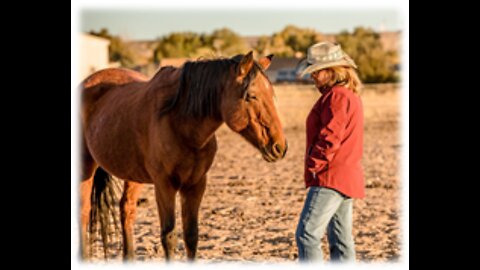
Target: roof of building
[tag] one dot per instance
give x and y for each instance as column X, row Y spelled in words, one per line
column 283, row 62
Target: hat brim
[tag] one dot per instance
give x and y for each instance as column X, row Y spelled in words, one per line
column 314, row 67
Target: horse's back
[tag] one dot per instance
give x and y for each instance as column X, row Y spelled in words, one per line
column 98, row 83
column 114, row 76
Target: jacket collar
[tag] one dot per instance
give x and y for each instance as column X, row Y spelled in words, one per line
column 325, row 90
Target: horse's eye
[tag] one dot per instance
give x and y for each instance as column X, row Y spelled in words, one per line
column 248, row 96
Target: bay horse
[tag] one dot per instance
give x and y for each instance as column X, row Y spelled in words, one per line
column 162, row 132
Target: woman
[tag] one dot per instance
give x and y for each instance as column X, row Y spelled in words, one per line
column 333, row 169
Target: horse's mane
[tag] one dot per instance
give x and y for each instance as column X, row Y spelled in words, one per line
column 201, row 85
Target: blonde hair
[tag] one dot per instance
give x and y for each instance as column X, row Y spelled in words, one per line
column 346, row 76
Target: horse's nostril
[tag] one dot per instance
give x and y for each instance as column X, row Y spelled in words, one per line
column 278, row 149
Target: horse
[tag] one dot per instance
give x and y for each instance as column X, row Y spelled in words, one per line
column 161, row 131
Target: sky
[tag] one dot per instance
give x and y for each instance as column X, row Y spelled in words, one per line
column 148, row 24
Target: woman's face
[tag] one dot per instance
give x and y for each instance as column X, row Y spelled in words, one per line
column 320, row 77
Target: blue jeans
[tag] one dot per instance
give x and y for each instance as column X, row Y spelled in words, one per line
column 325, row 206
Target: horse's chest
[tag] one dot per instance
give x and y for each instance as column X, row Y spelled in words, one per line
column 190, row 168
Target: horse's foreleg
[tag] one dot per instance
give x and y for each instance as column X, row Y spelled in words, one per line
column 128, row 210
column 191, row 198
column 165, row 196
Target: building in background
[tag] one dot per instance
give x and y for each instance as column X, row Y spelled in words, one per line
column 282, row 69
column 93, row 54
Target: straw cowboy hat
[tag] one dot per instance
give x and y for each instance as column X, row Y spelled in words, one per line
column 326, row 54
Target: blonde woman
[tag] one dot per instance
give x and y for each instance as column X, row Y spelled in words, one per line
column 333, row 169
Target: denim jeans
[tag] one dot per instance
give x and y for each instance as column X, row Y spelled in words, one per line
column 325, row 207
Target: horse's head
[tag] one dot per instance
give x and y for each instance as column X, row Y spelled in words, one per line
column 248, row 108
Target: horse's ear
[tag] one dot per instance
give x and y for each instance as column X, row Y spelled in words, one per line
column 265, row 61
column 245, row 64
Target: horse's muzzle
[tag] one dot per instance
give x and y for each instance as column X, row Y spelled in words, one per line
column 274, row 152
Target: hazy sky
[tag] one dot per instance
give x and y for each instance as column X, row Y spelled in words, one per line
column 152, row 23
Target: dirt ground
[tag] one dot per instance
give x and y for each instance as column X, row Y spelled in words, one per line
column 251, row 208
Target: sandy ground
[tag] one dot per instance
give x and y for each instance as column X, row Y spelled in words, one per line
column 251, row 208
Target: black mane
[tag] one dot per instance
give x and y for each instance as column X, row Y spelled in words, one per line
column 201, row 85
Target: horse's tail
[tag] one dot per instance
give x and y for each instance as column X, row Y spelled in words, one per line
column 104, row 199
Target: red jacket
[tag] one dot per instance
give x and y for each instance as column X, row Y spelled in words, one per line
column 335, row 143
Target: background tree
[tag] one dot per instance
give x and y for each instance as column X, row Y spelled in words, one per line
column 375, row 64
column 222, row 42
column 228, row 43
column 117, row 50
column 299, row 39
column 292, row 41
column 263, row 45
column 178, row 45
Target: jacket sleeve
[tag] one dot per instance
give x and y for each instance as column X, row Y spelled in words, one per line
column 334, row 119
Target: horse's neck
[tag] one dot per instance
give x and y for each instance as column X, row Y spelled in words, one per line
column 166, row 78
column 196, row 133
column 169, row 71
